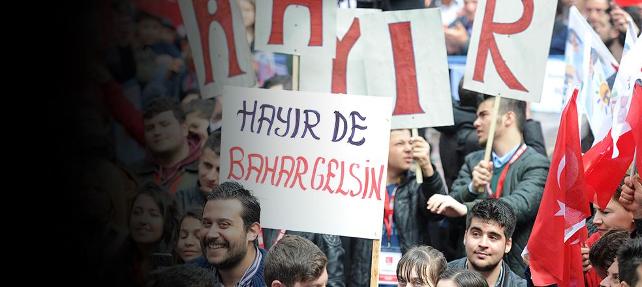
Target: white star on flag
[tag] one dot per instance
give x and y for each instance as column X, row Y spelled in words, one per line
column 572, row 217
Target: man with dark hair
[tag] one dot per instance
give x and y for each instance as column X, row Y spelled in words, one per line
column 197, row 117
column 602, row 253
column 295, row 261
column 516, row 174
column 629, row 258
column 171, row 161
column 231, row 225
column 208, row 175
column 489, row 230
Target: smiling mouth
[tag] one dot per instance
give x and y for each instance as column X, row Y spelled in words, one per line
column 215, row 246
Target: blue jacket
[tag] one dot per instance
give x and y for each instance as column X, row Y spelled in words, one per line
column 256, row 281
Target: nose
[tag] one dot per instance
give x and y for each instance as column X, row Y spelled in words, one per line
column 477, row 123
column 597, row 219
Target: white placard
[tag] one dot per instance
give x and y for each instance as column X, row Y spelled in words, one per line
column 409, row 64
column 508, row 48
column 344, row 73
column 310, row 171
column 298, row 27
column 219, row 47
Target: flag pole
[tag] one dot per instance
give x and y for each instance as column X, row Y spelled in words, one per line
column 295, row 72
column 418, row 173
column 491, row 133
column 374, row 266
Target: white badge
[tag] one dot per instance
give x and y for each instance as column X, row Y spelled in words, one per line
column 388, row 267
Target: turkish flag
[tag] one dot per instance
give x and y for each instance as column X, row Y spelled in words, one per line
column 602, row 171
column 560, row 226
column 635, row 121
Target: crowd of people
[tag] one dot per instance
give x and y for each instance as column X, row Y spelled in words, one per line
column 159, row 214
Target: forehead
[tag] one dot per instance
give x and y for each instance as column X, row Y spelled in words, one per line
column 485, row 105
column 163, row 116
column 596, row 4
column 190, row 223
column 209, row 155
column 399, row 134
column 231, row 209
column 145, row 201
column 486, row 225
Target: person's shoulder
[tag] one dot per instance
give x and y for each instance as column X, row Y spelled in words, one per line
column 475, row 156
column 532, row 156
column 457, row 263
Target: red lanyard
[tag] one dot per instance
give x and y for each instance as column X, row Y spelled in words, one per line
column 388, row 211
column 262, row 243
column 502, row 177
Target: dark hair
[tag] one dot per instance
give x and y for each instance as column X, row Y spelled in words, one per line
column 194, row 212
column 511, row 105
column 464, row 278
column 168, row 209
column 204, row 108
column 184, row 275
column 602, row 253
column 629, row 257
column 286, row 81
column 428, row 262
column 468, row 98
column 214, row 142
column 160, row 105
column 494, row 210
column 294, row 259
column 232, row 190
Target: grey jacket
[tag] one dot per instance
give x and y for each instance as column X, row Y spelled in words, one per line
column 509, row 278
column 522, row 190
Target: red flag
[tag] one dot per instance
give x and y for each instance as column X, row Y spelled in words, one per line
column 560, row 227
column 635, row 121
column 604, row 173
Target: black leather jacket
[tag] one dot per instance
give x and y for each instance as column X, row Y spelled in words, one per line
column 411, row 219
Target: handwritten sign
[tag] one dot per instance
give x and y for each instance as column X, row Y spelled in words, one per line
column 315, row 165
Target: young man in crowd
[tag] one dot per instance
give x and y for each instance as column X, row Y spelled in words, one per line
column 172, row 156
column 516, row 174
column 406, row 221
column 295, row 261
column 489, row 230
column 231, row 226
column 208, row 175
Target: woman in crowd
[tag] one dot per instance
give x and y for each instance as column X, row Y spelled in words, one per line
column 420, row 266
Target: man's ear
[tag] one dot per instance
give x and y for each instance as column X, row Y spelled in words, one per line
column 509, row 118
column 277, row 283
column 509, row 244
column 253, row 232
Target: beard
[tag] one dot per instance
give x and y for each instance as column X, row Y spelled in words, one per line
column 233, row 256
column 484, row 268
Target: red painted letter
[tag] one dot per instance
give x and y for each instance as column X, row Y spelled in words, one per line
column 316, row 20
column 340, row 61
column 405, row 72
column 487, row 42
column 223, row 16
